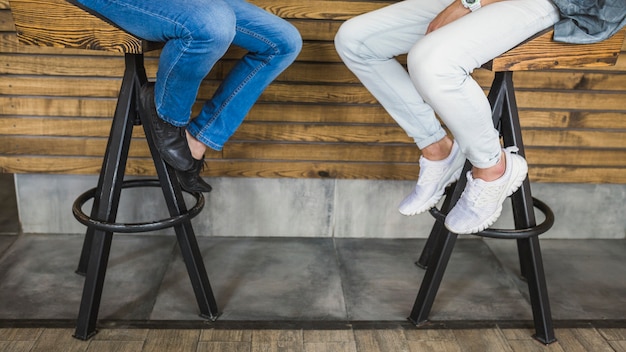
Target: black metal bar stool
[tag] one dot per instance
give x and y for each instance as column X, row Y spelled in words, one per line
column 53, row 30
column 539, row 52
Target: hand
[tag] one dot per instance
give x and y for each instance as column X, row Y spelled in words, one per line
column 450, row 14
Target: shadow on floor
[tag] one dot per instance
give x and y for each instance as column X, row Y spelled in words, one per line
column 9, row 220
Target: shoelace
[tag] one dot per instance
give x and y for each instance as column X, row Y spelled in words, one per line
column 484, row 194
column 479, row 193
column 430, row 174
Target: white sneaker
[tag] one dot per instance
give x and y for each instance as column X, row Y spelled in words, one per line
column 434, row 177
column 480, row 204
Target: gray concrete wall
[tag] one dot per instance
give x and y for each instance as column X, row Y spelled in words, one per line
column 310, row 208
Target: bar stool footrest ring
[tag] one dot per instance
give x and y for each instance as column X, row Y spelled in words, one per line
column 512, row 233
column 134, row 227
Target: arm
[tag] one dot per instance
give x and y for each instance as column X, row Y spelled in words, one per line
column 451, row 13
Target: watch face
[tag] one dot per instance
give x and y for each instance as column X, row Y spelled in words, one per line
column 470, row 2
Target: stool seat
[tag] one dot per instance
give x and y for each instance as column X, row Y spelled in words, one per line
column 540, row 52
column 63, row 24
column 537, row 53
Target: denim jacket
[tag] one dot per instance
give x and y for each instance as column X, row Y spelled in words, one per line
column 589, row 21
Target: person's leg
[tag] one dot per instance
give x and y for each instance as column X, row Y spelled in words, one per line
column 369, row 44
column 273, row 44
column 440, row 66
column 196, row 34
column 441, row 63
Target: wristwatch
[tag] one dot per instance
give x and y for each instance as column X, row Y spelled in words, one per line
column 473, row 5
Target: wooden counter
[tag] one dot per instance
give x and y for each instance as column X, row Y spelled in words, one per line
column 316, row 120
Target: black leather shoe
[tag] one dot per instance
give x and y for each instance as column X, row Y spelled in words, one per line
column 191, row 181
column 171, row 141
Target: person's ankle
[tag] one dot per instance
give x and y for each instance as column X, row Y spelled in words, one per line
column 196, row 147
column 439, row 150
column 491, row 173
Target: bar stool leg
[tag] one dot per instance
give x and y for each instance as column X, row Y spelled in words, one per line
column 116, row 150
column 440, row 244
column 437, row 264
column 97, row 245
column 435, row 232
column 184, row 232
column 531, row 264
column 436, row 254
column 452, row 195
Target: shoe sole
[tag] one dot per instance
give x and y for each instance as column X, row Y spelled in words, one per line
column 513, row 187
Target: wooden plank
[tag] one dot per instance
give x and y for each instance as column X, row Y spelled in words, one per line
column 318, row 152
column 6, row 21
column 329, row 73
column 117, row 346
column 321, row 133
column 304, row 93
column 613, row 334
column 171, row 340
column 381, row 340
column 217, row 168
column 319, row 9
column 77, row 146
column 226, row 335
column 96, row 67
column 224, row 347
column 57, row 23
column 571, row 100
column 566, row 174
column 298, row 169
column 572, row 119
column 483, row 340
column 121, row 334
column 560, row 80
column 14, row 106
column 322, row 113
column 23, row 334
column 58, row 340
column 575, row 138
column 432, row 340
column 277, row 340
column 582, row 340
column 43, row 146
column 576, row 157
column 541, row 52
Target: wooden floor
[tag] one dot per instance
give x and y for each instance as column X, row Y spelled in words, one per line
column 365, row 340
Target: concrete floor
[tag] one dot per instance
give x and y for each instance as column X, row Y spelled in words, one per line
column 303, row 279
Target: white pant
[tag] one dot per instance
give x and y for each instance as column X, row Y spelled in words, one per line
column 439, row 65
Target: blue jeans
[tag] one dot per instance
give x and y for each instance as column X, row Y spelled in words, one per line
column 197, row 33
column 438, row 80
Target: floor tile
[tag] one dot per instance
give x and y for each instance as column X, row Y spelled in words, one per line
column 381, row 282
column 477, row 287
column 38, row 279
column 585, row 278
column 5, row 242
column 259, row 279
column 379, row 277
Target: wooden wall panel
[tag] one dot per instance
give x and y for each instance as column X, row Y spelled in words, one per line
column 315, row 121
